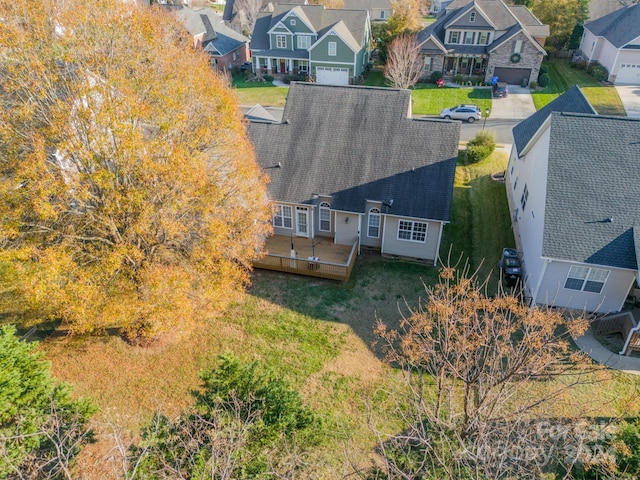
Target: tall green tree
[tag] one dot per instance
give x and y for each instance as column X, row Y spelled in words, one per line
column 246, row 423
column 42, row 428
column 562, row 16
column 129, row 192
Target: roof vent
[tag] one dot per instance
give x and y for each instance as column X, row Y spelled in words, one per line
column 279, row 165
column 608, row 220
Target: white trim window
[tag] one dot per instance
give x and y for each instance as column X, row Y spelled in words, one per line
column 333, row 49
column 373, row 224
column 518, row 47
column 304, row 42
column 483, row 38
column 524, row 197
column 454, row 37
column 283, row 217
column 586, row 279
column 325, row 217
column 292, row 21
column 469, row 37
column 281, row 41
column 427, row 62
column 472, row 17
column 412, row 231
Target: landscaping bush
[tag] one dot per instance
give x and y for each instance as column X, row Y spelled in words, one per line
column 476, row 153
column 458, row 79
column 480, row 146
column 598, row 72
column 268, row 78
column 580, row 64
column 544, row 69
column 533, row 85
column 543, row 80
column 435, row 76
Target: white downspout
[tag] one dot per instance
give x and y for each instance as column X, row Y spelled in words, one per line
column 537, row 290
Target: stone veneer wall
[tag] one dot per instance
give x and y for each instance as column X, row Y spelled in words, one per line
column 531, row 57
column 437, row 64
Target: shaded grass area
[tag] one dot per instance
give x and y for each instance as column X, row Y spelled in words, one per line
column 264, row 93
column 375, row 78
column 430, row 100
column 604, row 99
column 480, row 223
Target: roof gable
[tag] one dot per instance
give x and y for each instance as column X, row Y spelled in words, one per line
column 341, row 31
column 462, row 18
column 591, row 211
column 215, row 36
column 573, row 100
column 360, row 144
column 619, row 27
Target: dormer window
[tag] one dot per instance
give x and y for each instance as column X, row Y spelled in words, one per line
column 453, row 37
column 472, row 17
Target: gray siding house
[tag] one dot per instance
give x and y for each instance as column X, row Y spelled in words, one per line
column 359, row 170
column 573, row 198
column 332, row 45
column 485, row 38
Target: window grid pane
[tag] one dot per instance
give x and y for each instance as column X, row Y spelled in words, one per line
column 373, row 229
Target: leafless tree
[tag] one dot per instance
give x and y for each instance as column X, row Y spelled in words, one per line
column 405, row 63
column 249, row 11
column 478, row 377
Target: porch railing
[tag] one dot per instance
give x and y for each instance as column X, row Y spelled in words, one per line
column 309, row 266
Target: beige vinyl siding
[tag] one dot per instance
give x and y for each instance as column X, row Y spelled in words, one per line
column 611, row 299
column 346, row 232
column 427, row 250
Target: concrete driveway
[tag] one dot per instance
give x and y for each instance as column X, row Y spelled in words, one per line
column 517, row 105
column 630, row 96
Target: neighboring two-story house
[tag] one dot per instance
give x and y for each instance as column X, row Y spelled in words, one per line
column 485, row 38
column 614, row 42
column 333, row 45
column 227, row 47
column 572, row 185
column 358, row 170
column 379, row 10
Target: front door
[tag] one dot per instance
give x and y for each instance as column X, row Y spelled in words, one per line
column 302, row 222
column 283, row 67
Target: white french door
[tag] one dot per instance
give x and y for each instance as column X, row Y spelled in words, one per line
column 302, row 222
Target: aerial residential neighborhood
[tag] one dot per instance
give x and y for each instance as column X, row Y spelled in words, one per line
column 376, row 239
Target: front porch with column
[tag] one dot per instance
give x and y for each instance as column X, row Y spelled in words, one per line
column 279, row 66
column 465, row 65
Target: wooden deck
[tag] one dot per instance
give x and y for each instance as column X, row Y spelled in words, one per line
column 319, row 257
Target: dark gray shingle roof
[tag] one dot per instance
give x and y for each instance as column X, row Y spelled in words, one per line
column 593, row 176
column 573, row 100
column 207, row 21
column 357, row 143
column 619, row 27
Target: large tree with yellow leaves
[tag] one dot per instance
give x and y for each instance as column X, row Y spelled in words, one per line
column 129, row 193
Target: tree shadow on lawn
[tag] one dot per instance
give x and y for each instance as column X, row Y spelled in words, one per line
column 379, row 288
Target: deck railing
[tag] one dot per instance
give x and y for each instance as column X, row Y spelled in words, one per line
column 309, row 266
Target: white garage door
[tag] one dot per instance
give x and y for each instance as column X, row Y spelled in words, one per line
column 332, row 76
column 629, row 73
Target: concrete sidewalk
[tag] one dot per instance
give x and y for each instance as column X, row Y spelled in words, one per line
column 590, row 345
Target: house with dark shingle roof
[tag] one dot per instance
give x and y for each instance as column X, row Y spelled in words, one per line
column 359, row 170
column 572, row 185
column 484, row 38
column 614, row 42
column 332, row 45
column 227, row 47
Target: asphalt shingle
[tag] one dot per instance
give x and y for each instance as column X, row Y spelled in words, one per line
column 619, row 27
column 357, row 143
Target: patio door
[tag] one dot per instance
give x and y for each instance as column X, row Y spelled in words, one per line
column 302, row 222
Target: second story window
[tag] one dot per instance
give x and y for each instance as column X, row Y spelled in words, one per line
column 304, row 42
column 518, row 47
column 524, row 197
column 332, row 49
column 469, row 37
column 281, row 41
column 472, row 17
column 454, row 37
column 483, row 38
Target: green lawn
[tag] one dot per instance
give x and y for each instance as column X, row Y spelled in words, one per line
column 604, row 99
column 264, row 93
column 430, row 100
column 480, row 224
